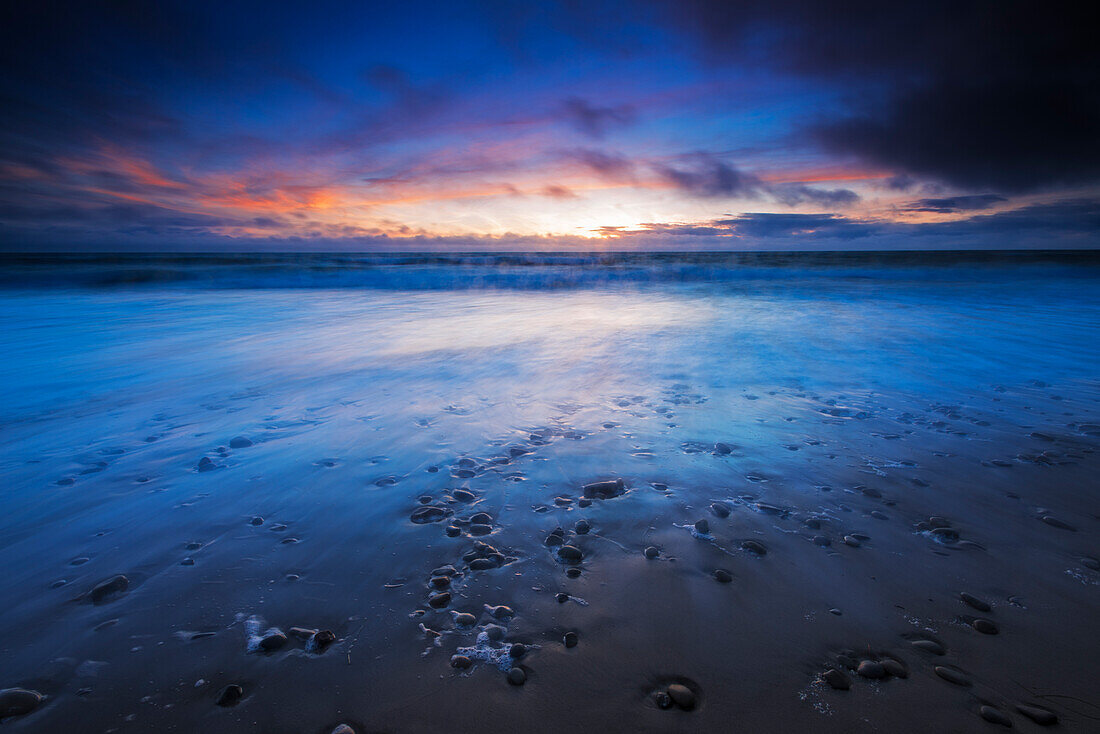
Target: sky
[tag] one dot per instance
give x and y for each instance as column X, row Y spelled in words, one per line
column 579, row 124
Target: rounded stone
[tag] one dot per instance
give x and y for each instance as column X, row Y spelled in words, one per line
column 974, row 601
column 995, row 716
column 895, row 668
column 720, row 509
column 570, row 553
column 272, row 641
column 517, row 650
column 702, row 526
column 440, row 600
column 343, row 729
column 754, row 547
column 461, row 662
column 871, row 669
column 985, row 626
column 852, row 541
column 572, row 572
column 651, row 552
column 570, row 639
column 722, row 576
column 109, row 588
column 239, row 442
column 18, row 701
column 230, row 695
column 517, row 677
column 837, row 679
column 1038, row 714
column 682, row 696
column 582, row 527
column 662, row 699
column 465, row 619
column 952, row 676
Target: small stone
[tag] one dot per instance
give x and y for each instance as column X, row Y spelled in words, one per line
column 835, row 611
column 837, row 679
column 440, row 582
column 952, row 676
column 343, row 729
column 1056, row 523
column 822, row 541
column 754, row 547
column 573, row 572
column 722, row 448
column 257, row 521
column 871, row 669
column 879, row 515
column 187, row 562
column 682, row 696
column 974, row 601
column 702, row 527
column 422, row 515
column 938, row 522
column 562, row 597
column 501, row 612
column 570, row 553
column 945, row 535
column 478, row 529
column 482, row 564
column 230, row 695
column 517, row 650
column 461, row 662
column 651, row 552
column 584, row 502
column 495, row 632
column 985, row 626
column 662, row 699
column 554, row 539
column 582, row 527
column 895, row 668
column 323, row 639
column 720, row 509
column 18, row 701
column 463, row 495
column 272, row 641
column 109, row 588
column 440, row 600
column 1038, row 714
column 570, row 639
column 604, row 490
column 995, row 716
column 239, row 442
column 483, row 518
column 722, row 576
column 206, row 464
column 517, row 677
column 852, row 541
column 929, row 646
column 447, row 570
column 452, row 531
column 465, row 619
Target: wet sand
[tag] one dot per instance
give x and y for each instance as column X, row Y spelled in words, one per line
column 784, row 507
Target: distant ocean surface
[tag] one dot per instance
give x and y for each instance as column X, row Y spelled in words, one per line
column 523, row 270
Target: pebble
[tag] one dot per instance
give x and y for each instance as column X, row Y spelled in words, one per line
column 723, row 576
column 463, row 495
column 494, row 632
column 584, row 502
column 323, row 639
column 570, row 553
column 720, row 509
column 651, row 552
column 239, row 442
column 945, row 535
column 555, row 538
column 974, row 601
column 230, row 695
column 929, row 646
column 272, row 641
column 502, row 612
column 822, row 541
column 461, row 662
column 1038, row 714
column 952, row 676
column 440, row 582
column 938, row 522
column 572, row 572
column 257, row 521
column 452, row 531
column 871, row 669
column 682, row 696
column 852, row 541
column 604, row 490
column 722, row 449
column 481, row 518
column 837, row 679
column 662, row 699
column 985, row 626
column 478, row 529
column 879, row 515
column 206, row 464
column 570, row 639
column 18, row 701
column 702, row 526
column 517, row 677
column 465, row 619
column 582, row 527
column 995, row 716
column 343, row 729
column 1056, row 523
column 1090, row 562
column 895, row 668
column 482, row 564
column 754, row 547
column 187, row 562
column 110, row 587
column 423, row 515
column 447, row 570
column 517, row 650
column 440, row 600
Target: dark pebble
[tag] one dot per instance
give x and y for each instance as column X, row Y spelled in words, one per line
column 939, row 522
column 187, row 562
column 111, row 587
column 995, row 716
column 604, row 490
column 562, row 597
column 481, row 518
column 423, row 515
column 554, row 539
column 1056, row 523
column 945, row 535
column 440, row 600
column 571, row 639
column 482, row 564
column 929, row 646
column 465, row 619
column 517, row 677
column 572, row 572
column 582, row 527
column 323, row 639
column 852, row 541
column 478, row 530
column 952, row 676
column 517, row 650
column 461, row 662
column 662, row 699
column 501, row 612
column 18, row 701
column 837, row 679
column 230, row 695
column 452, row 531
column 722, row 449
column 895, row 668
column 584, row 502
column 871, row 669
column 985, row 626
column 702, row 526
column 447, row 570
column 463, row 495
column 879, row 515
column 974, row 601
column 206, row 464
column 722, row 576
column 1038, row 714
column 440, row 582
column 257, row 521
column 755, row 547
column 239, row 442
column 651, row 552
column 682, row 696
column 272, row 641
column 570, row 553
column 720, row 509
column 822, row 541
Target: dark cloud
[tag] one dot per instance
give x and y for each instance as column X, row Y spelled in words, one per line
column 795, row 194
column 593, row 120
column 956, row 203
column 609, row 165
column 703, row 174
column 558, row 192
column 999, row 95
